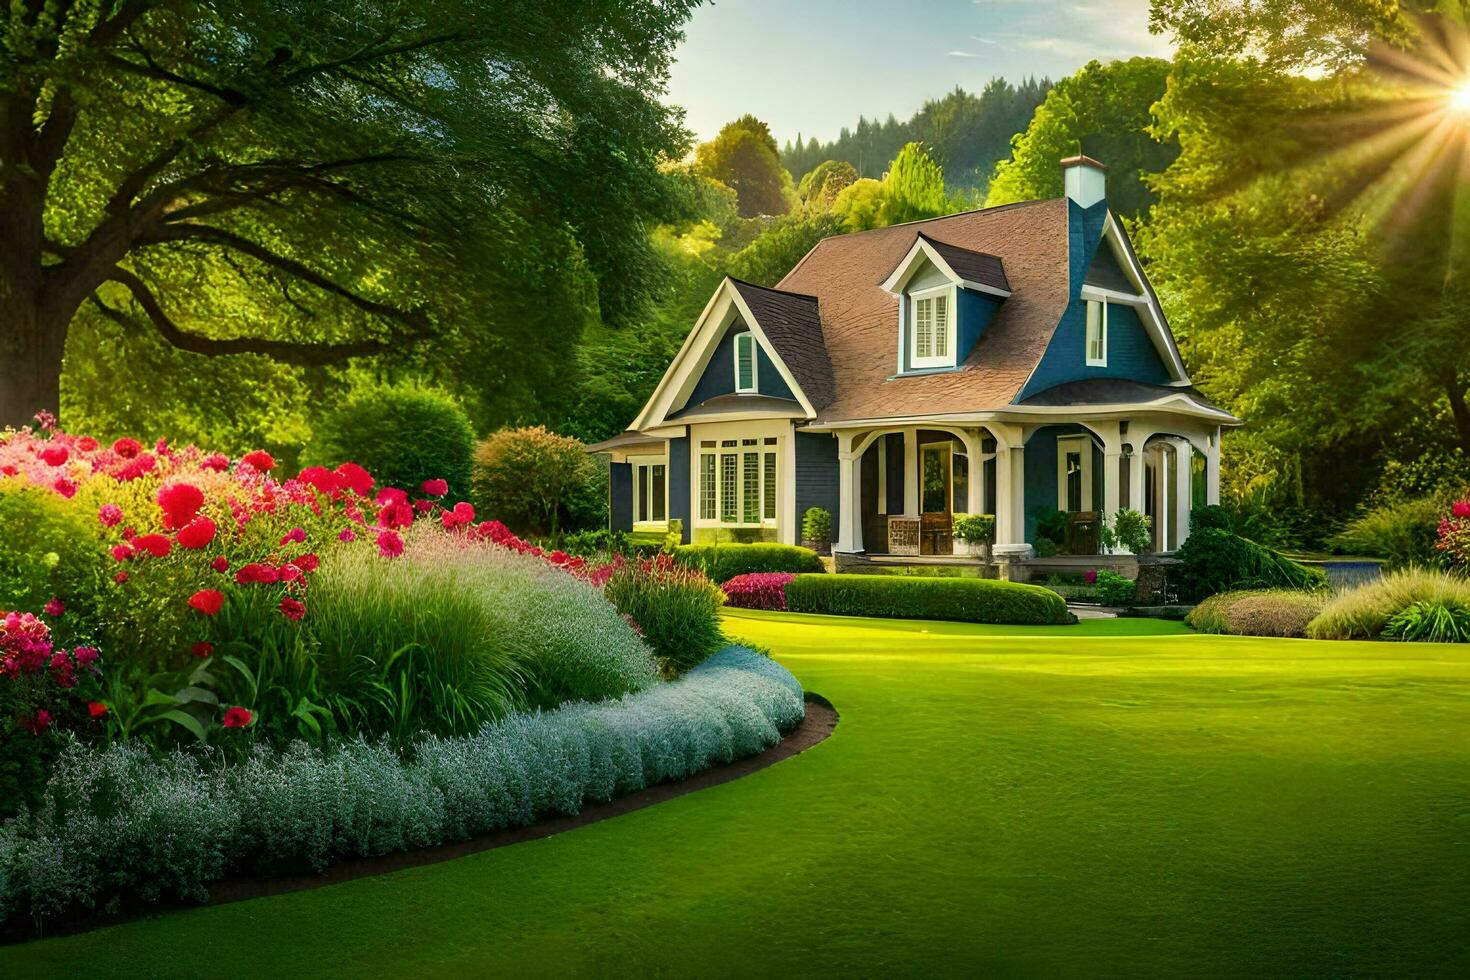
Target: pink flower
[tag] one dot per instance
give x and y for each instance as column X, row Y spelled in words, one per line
column 436, row 488
column 256, row 573
column 292, row 609
column 390, row 545
column 288, row 573
column 197, row 533
column 1090, row 576
column 121, row 552
column 321, row 478
column 54, row 608
column 180, row 502
column 110, row 515
column 296, row 534
column 120, row 577
column 127, row 448
column 220, row 564
column 390, row 495
column 45, row 420
column 260, row 459
column 464, row 512
column 307, row 562
column 356, row 479
column 218, row 462
column 86, row 444
column 65, row 487
column 423, row 506
column 396, row 514
column 54, row 455
column 237, row 717
column 347, row 534
column 85, row 656
column 39, row 723
column 207, row 601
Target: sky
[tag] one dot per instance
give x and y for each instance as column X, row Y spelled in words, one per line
column 813, row 66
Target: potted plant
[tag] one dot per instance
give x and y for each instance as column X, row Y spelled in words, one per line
column 976, row 531
column 816, row 530
column 1128, row 531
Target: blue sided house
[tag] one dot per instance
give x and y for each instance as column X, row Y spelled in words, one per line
column 1011, row 361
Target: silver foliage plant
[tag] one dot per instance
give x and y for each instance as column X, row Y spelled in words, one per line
column 117, row 823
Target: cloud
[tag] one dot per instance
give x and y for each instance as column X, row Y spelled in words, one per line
column 962, row 54
column 983, row 40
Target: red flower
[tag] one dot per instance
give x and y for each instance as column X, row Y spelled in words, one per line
column 288, row 573
column 120, row 577
column 395, row 515
column 1461, row 508
column 207, row 601
column 307, row 562
column 127, row 448
column 54, row 455
column 39, row 723
column 356, row 479
column 256, row 573
column 202, row 649
column 55, row 607
column 220, row 564
column 436, row 488
column 86, row 444
column 65, row 487
column 96, row 709
column 292, row 609
column 322, row 478
column 260, row 459
column 180, row 502
column 218, row 462
column 347, row 534
column 390, row 545
column 464, row 512
column 423, row 506
column 121, row 552
column 155, row 544
column 110, row 515
column 237, row 717
column 296, row 534
column 197, row 533
column 85, row 655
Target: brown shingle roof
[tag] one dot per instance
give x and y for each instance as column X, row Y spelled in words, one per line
column 791, row 321
column 859, row 321
column 981, row 267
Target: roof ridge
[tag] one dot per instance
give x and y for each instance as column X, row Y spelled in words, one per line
column 772, row 289
column 960, row 248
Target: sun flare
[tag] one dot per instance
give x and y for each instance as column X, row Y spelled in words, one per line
column 1460, row 98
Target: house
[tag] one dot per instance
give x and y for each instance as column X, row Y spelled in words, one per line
column 1011, row 361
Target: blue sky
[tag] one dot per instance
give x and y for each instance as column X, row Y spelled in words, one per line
column 811, row 66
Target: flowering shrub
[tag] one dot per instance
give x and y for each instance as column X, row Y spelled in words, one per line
column 677, row 609
column 1454, row 534
column 758, row 590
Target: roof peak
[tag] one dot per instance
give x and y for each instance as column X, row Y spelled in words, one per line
column 770, row 289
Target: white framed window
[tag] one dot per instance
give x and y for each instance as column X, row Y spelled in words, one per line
column 932, row 334
column 745, row 363
column 1097, row 333
column 650, row 489
column 739, row 482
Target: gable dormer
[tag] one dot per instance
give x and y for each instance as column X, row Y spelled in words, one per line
column 947, row 296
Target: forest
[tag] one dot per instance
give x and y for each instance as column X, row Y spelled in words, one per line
column 222, row 221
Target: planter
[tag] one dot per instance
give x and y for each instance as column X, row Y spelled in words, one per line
column 820, row 547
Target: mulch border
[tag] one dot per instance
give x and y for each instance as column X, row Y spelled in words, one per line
column 820, row 721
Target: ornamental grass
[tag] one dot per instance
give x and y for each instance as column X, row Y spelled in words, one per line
column 1364, row 612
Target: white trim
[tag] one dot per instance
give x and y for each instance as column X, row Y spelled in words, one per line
column 1153, row 321
column 1102, row 306
column 1113, row 296
column 648, row 460
column 785, row 490
column 901, row 275
column 1180, row 404
column 751, row 342
column 947, row 359
column 1069, row 444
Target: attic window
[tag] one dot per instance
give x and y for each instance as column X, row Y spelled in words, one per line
column 745, row 381
column 1097, row 333
column 933, row 328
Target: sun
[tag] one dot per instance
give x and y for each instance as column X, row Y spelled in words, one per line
column 1460, row 98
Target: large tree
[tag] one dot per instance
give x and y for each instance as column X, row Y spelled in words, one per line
column 743, row 157
column 318, row 180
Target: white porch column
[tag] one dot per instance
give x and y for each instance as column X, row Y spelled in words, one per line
column 1212, row 469
column 1184, row 497
column 849, row 491
column 911, row 472
column 975, row 488
column 1112, row 455
column 1010, row 490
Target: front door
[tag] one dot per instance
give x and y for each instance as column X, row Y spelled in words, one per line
column 936, row 522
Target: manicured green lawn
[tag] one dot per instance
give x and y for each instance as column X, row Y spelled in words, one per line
column 1108, row 799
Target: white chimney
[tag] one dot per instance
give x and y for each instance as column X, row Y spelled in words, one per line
column 1084, row 180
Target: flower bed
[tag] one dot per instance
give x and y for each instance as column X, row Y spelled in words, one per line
column 758, row 590
column 118, row 823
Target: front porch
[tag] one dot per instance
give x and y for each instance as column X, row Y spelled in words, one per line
column 1049, row 482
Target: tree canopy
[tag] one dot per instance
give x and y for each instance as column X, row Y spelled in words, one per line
column 744, row 158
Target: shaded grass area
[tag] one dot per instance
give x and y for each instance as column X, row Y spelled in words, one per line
column 1117, row 797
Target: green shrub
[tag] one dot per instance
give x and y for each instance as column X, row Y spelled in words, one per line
column 972, row 600
column 49, row 546
column 1130, row 530
column 816, row 526
column 528, row 477
column 975, row 528
column 1210, row 517
column 1431, row 622
column 1051, row 527
column 403, row 434
column 1365, row 612
column 1115, row 589
column 1404, row 533
column 1214, row 561
column 1257, row 612
column 676, row 609
column 722, row 562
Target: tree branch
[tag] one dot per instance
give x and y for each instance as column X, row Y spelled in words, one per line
column 290, row 352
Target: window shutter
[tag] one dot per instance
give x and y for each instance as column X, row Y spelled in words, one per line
column 941, row 326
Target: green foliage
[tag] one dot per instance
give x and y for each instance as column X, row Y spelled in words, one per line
column 784, row 243
column 1102, row 111
column 975, row 528
column 816, row 526
column 403, row 434
column 676, row 609
column 861, row 205
column 1403, row 533
column 1299, row 33
column 1219, row 561
column 1115, row 589
column 744, row 157
column 972, row 600
column 915, row 187
column 1051, row 526
column 1258, row 612
column 1364, row 612
column 820, row 187
column 1210, row 517
column 526, row 477
column 722, row 562
column 49, row 548
column 1129, row 530
column 1431, row 622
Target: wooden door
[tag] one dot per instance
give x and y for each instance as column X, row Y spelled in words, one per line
column 935, row 493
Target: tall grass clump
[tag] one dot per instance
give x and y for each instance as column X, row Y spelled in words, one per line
column 676, row 609
column 1365, row 612
column 456, row 632
column 1403, row 533
column 1260, row 612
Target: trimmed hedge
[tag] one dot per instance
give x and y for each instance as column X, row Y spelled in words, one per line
column 119, row 824
column 722, row 562
column 971, row 600
column 1260, row 612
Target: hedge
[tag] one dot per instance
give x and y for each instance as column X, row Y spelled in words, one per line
column 972, row 600
column 722, row 562
column 119, row 824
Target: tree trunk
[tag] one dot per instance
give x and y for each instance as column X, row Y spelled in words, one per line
column 31, row 346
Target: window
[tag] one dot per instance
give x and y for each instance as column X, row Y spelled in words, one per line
column 1074, row 473
column 1074, row 482
column 933, row 343
column 959, row 466
column 745, row 362
column 738, row 485
column 1097, row 333
column 650, row 491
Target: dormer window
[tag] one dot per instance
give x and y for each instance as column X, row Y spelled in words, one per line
column 1097, row 333
column 932, row 338
column 745, row 379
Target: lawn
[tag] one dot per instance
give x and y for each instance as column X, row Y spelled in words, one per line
column 1112, row 798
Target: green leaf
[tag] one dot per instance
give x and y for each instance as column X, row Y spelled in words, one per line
column 187, row 721
column 193, row 694
column 246, row 672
